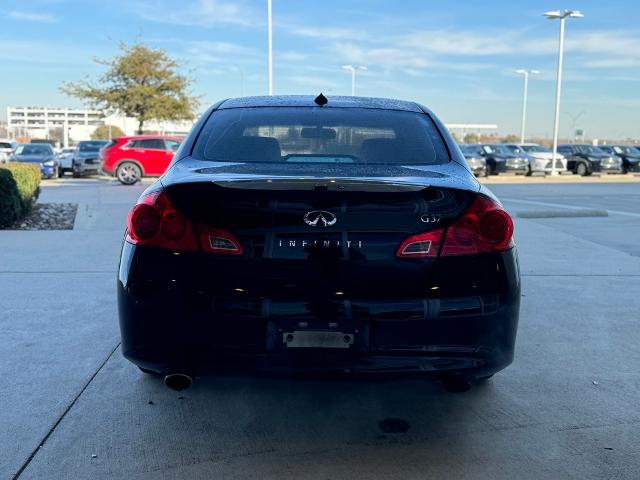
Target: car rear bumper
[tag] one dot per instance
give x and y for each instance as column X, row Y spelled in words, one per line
column 177, row 317
column 502, row 167
column 82, row 167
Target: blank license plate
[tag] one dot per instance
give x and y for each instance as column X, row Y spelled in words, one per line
column 311, row 339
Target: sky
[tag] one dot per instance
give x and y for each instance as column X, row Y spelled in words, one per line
column 458, row 58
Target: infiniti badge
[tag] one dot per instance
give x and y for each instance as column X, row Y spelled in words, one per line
column 320, row 217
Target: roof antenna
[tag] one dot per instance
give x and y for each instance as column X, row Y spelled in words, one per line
column 321, row 100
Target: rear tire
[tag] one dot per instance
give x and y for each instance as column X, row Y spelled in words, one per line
column 582, row 170
column 60, row 173
column 128, row 173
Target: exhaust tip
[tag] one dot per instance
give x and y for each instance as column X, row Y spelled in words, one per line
column 178, row 381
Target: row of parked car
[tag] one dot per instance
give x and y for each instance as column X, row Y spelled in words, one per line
column 132, row 157
column 529, row 158
column 126, row 158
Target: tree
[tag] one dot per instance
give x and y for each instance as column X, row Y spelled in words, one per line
column 102, row 132
column 57, row 134
column 511, row 138
column 141, row 82
column 470, row 138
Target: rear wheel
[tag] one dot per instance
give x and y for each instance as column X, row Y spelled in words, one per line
column 128, row 173
column 582, row 170
column 60, row 173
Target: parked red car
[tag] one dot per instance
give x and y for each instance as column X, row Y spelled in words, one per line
column 131, row 158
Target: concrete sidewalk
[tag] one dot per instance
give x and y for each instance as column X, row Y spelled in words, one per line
column 566, row 409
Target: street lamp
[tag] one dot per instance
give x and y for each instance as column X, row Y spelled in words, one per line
column 526, row 74
column 353, row 69
column 270, row 35
column 557, row 15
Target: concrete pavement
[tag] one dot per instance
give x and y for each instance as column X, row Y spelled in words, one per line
column 567, row 407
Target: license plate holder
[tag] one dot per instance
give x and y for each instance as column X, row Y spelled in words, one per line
column 317, row 339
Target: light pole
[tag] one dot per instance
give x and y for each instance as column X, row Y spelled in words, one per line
column 353, row 69
column 270, row 34
column 557, row 15
column 526, row 74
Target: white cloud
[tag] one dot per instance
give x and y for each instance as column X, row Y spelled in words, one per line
column 33, row 17
column 324, row 32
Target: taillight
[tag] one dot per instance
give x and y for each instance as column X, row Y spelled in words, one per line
column 484, row 227
column 154, row 222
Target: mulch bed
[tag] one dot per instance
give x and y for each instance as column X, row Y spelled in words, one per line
column 49, row 216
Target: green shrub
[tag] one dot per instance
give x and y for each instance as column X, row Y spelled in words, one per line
column 19, row 190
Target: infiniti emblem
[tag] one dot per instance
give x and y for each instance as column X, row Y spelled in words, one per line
column 322, row 217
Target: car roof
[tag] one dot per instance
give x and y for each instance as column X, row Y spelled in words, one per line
column 146, row 137
column 308, row 101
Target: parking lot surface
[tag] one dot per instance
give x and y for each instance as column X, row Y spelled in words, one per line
column 567, row 408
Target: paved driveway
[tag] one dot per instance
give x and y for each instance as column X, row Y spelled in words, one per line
column 72, row 407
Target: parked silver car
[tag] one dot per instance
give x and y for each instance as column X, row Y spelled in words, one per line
column 541, row 158
column 65, row 160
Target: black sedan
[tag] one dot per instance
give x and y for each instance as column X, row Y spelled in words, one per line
column 501, row 160
column 586, row 159
column 41, row 154
column 629, row 155
column 334, row 235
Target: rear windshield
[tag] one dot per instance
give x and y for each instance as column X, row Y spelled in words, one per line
column 320, row 135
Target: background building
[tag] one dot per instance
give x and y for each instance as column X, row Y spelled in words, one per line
column 70, row 125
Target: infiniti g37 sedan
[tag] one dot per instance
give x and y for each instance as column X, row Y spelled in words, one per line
column 342, row 234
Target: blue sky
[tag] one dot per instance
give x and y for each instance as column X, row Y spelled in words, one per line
column 458, row 58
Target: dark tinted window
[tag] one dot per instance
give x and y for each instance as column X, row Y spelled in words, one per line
column 320, row 135
column 501, row 150
column 5, row 145
column 151, row 143
column 91, row 146
column 470, row 149
column 514, row 149
column 588, row 149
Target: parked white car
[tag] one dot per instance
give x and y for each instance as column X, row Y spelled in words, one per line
column 541, row 158
column 6, row 149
